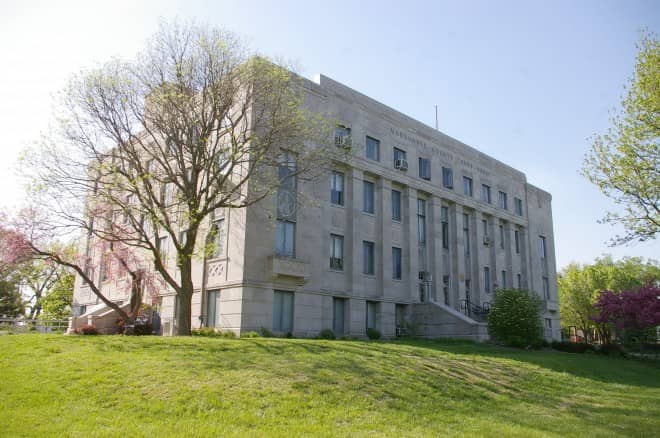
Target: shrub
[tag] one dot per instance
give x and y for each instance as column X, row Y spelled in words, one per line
column 88, row 329
column 372, row 333
column 251, row 334
column 209, row 332
column 266, row 333
column 212, row 332
column 515, row 318
column 571, row 347
column 326, row 334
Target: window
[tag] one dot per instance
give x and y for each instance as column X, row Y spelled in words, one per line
column 519, row 281
column 396, row 205
column 444, row 216
column 285, row 231
column 517, row 203
column 105, row 269
column 372, row 149
column 338, row 312
column 466, row 234
column 445, row 288
column 548, row 323
column 501, row 200
column 368, row 204
column 487, row 279
column 287, row 171
column 424, row 165
column 183, row 237
column 89, row 272
column 448, row 177
column 468, row 285
column 542, row 249
column 396, row 263
column 161, row 244
column 283, row 311
column 336, row 252
column 503, row 285
column 399, row 154
column 368, row 263
column 516, row 236
column 342, row 136
column 285, row 239
column 485, row 193
column 421, row 221
column 484, row 223
column 337, row 188
column 218, row 236
column 546, row 289
column 213, row 308
column 501, row 236
column 467, row 186
column 371, row 314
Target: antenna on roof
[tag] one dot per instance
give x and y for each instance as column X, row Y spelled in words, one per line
column 436, row 117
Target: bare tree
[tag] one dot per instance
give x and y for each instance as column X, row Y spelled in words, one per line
column 153, row 147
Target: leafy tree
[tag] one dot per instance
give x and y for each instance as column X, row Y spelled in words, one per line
column 57, row 303
column 580, row 285
column 11, row 302
column 153, row 148
column 515, row 318
column 625, row 162
column 13, row 253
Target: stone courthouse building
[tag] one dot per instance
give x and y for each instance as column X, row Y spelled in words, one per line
column 416, row 231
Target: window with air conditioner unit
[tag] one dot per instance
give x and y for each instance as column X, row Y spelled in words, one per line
column 425, row 276
column 399, row 159
column 342, row 136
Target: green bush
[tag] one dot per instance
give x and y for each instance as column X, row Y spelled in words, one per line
column 88, row 330
column 266, row 333
column 251, row 334
column 515, row 318
column 571, row 347
column 212, row 332
column 372, row 333
column 209, row 332
column 326, row 334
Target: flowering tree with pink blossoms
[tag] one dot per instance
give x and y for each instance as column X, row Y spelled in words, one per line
column 631, row 311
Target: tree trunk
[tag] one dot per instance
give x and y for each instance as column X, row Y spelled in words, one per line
column 184, row 319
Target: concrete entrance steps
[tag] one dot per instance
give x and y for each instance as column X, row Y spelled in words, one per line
column 435, row 320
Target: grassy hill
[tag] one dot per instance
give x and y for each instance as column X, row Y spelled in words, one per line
column 152, row 386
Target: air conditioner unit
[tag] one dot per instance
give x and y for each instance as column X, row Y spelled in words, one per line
column 401, row 165
column 425, row 276
column 486, row 240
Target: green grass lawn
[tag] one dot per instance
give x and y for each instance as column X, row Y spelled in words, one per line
column 153, row 386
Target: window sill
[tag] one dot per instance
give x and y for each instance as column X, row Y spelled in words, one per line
column 366, row 213
column 336, row 271
column 369, row 275
column 343, row 207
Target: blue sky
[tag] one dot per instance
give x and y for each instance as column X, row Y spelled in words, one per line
column 526, row 82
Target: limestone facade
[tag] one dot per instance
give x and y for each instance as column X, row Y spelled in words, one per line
column 415, row 232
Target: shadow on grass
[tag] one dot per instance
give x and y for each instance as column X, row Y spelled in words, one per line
column 606, row 369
